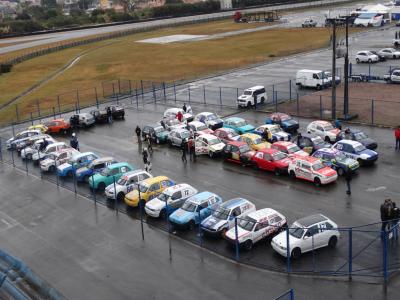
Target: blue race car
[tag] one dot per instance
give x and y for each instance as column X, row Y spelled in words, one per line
column 77, row 161
column 357, row 151
column 83, row 174
column 239, row 125
column 285, row 121
column 194, row 210
column 337, row 160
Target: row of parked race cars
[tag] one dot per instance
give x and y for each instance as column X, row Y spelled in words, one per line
column 266, row 147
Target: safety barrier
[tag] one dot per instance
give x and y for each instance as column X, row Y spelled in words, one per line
column 289, row 295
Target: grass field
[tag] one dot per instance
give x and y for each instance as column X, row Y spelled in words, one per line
column 125, row 58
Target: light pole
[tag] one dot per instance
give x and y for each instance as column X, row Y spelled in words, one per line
column 140, row 210
column 346, row 74
column 334, row 70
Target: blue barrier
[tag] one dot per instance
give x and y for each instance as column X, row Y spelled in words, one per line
column 289, row 295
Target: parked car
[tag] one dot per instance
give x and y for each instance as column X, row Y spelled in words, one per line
column 199, row 128
column 127, row 183
column 271, row 160
column 25, row 143
column 117, row 111
column 305, row 235
column 149, row 188
column 194, row 210
column 82, row 120
column 108, row 175
column 58, row 126
column 251, row 96
column 254, row 141
column 329, row 75
column 223, row 218
column 100, row 115
column 311, row 169
column 286, row 122
column 256, row 226
column 310, row 143
column 227, row 135
column 309, row 23
column 41, row 127
column 176, row 136
column 316, row 79
column 173, row 111
column 393, row 76
column 157, row 133
column 366, row 56
column 172, row 124
column 336, row 160
column 37, row 156
column 27, row 152
column 239, row 125
column 169, row 200
column 389, row 53
column 380, row 56
column 77, row 161
column 324, row 130
column 21, row 137
column 96, row 166
column 238, row 152
column 212, row 120
column 52, row 160
column 208, row 144
column 359, row 136
column 289, row 148
column 272, row 133
column 357, row 151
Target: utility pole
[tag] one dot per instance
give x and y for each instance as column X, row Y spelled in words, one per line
column 346, row 74
column 334, row 70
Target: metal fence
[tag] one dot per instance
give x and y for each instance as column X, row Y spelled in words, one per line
column 370, row 72
column 361, row 252
column 289, row 295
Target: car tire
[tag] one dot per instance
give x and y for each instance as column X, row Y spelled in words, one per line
column 360, row 162
column 101, row 186
column 262, row 100
column 317, row 181
column 192, row 225
column 327, row 139
column 69, row 173
column 318, row 87
column 248, row 245
column 332, row 242
column 340, row 171
column 296, row 253
column 210, row 154
column 369, row 61
column 29, row 156
column 357, row 60
column 292, row 174
column 248, row 104
column 394, row 57
column 277, row 172
column 162, row 214
column 52, row 169
column 120, row 196
column 223, row 232
column 86, row 178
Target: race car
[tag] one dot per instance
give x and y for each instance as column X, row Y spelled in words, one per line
column 238, row 152
column 100, row 115
column 310, row 143
column 172, row 124
column 286, row 122
column 95, row 166
column 199, row 128
column 289, row 148
column 127, row 183
column 25, row 143
column 208, row 144
column 227, row 135
column 272, row 133
column 77, row 161
column 27, row 152
column 223, row 218
column 359, row 136
column 157, row 133
column 239, row 125
column 52, row 160
column 176, row 136
column 311, row 169
column 169, row 200
column 21, row 137
column 256, row 226
column 107, row 176
column 324, row 130
column 41, row 127
column 357, row 151
column 271, row 160
column 212, row 120
column 336, row 160
column 117, row 112
column 58, row 126
column 37, row 156
column 82, row 120
column 194, row 210
column 254, row 141
column 173, row 111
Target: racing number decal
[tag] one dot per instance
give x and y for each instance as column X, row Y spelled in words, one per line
column 186, row 193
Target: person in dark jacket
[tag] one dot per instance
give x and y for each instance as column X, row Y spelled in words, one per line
column 397, row 136
column 109, row 115
column 74, row 143
column 184, row 107
column 138, row 132
column 184, row 146
column 385, row 213
column 192, row 150
column 348, row 178
column 145, row 155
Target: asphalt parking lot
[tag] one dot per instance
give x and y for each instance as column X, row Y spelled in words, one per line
column 293, row 198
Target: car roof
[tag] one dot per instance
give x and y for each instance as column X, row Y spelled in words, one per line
column 284, row 143
column 119, row 164
column 152, row 180
column 196, row 123
column 257, row 87
column 103, row 159
column 279, row 114
column 178, row 187
column 235, row 119
column 251, row 135
column 179, row 130
column 327, row 150
column 232, row 203
column 57, row 120
column 321, row 122
column 262, row 213
column 81, row 154
column 310, row 71
column 308, row 135
column 350, row 142
column 200, row 197
column 311, row 220
column 133, row 173
column 57, row 144
column 237, row 143
column 208, row 136
column 226, row 129
column 310, row 159
column 268, row 150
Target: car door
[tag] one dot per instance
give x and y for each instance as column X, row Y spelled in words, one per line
column 325, row 233
column 261, row 230
column 235, row 153
column 204, row 210
column 176, row 200
column 306, row 171
column 154, row 190
column 259, row 159
column 131, row 183
column 114, row 174
column 201, row 147
column 267, row 162
column 311, row 238
column 62, row 158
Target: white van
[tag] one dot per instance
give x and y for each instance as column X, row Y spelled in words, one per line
column 247, row 98
column 369, row 20
column 312, row 78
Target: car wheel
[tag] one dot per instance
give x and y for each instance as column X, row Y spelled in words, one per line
column 223, row 232
column 192, row 225
column 357, row 60
column 101, row 187
column 369, row 61
column 340, row 171
column 296, row 253
column 142, row 203
column 396, row 44
column 317, row 181
column 327, row 139
column 162, row 214
column 394, row 57
column 69, row 173
column 211, row 154
column 52, row 169
column 120, row 196
column 29, row 156
column 277, row 172
column 318, row 87
column 248, row 245
column 86, row 178
column 292, row 174
column 248, row 104
column 262, row 100
column 332, row 242
column 360, row 162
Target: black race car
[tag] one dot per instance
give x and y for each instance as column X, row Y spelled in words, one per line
column 100, row 115
column 118, row 112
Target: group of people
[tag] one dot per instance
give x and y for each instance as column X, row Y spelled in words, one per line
column 390, row 215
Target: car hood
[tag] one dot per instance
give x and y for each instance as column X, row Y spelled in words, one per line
column 82, row 170
column 47, row 161
column 367, row 141
column 281, row 134
column 155, row 204
column 181, row 216
column 365, row 154
column 217, row 147
column 302, row 153
column 334, row 131
column 241, row 233
column 244, row 97
column 213, row 223
column 10, row 140
column 162, row 134
column 246, row 128
column 321, row 146
column 249, row 154
column 281, row 239
column 290, row 122
column 327, row 172
column 133, row 195
column 64, row 166
column 347, row 161
column 263, row 145
column 214, row 122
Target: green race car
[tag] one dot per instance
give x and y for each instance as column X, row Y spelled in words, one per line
column 107, row 176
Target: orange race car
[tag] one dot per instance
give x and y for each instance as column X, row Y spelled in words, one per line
column 58, row 126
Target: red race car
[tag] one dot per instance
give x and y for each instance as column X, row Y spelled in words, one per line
column 58, row 126
column 227, row 135
column 271, row 160
column 238, row 152
column 289, row 148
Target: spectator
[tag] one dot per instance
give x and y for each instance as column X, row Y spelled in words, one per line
column 147, row 166
column 138, row 132
column 184, row 107
column 348, row 178
column 192, row 149
column 299, row 139
column 397, row 136
column 149, row 144
column 184, row 149
column 74, row 143
column 384, row 214
column 145, row 155
column 162, row 123
column 395, row 219
column 179, row 116
column 109, row 115
column 347, row 134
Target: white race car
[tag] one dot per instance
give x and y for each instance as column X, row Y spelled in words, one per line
column 208, row 144
column 54, row 159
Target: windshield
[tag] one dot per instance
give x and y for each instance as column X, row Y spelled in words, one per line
column 201, row 127
column 189, row 206
column 247, row 223
column 278, row 156
column 359, row 148
column 248, row 93
column 317, row 140
column 232, row 134
column 173, row 122
column 121, row 181
column 360, row 136
column 244, row 148
column 274, row 129
column 257, row 141
column 158, row 129
column 213, row 142
column 293, row 149
column 212, row 117
column 317, row 166
column 185, row 134
column 366, row 16
column 143, row 188
column 241, row 123
column 328, row 128
column 221, row 213
column 163, row 197
column 104, row 172
column 296, row 231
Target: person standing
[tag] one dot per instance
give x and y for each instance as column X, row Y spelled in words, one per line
column 397, row 136
column 179, row 116
column 109, row 115
column 147, row 166
column 184, row 149
column 348, row 178
column 145, row 155
column 384, row 215
column 149, row 144
column 138, row 132
column 192, row 150
column 184, row 107
column 74, row 143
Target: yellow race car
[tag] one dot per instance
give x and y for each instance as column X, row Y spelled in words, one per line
column 149, row 189
column 41, row 127
column 254, row 141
